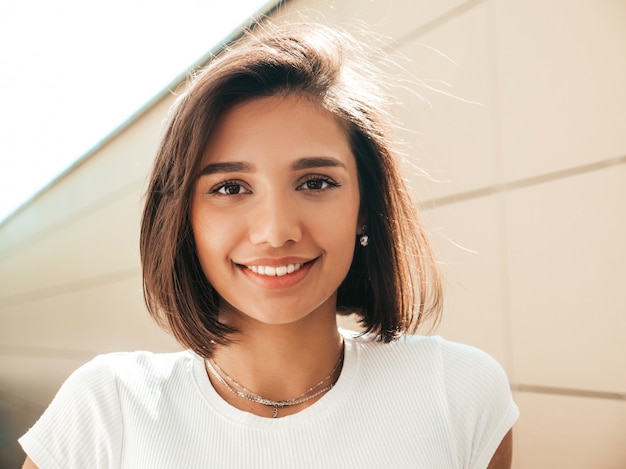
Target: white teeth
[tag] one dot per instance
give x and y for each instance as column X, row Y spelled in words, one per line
column 274, row 271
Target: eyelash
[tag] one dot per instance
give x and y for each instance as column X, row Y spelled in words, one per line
column 222, row 185
column 220, row 188
column 324, row 179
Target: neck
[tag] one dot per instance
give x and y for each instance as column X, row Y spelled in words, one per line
column 279, row 362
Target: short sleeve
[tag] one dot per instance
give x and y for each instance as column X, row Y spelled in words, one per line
column 481, row 405
column 82, row 427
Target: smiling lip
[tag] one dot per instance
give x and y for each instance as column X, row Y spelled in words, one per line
column 277, row 273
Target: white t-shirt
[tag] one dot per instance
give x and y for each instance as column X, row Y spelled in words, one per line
column 420, row 402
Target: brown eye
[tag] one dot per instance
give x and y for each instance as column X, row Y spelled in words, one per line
column 317, row 184
column 232, row 189
column 229, row 188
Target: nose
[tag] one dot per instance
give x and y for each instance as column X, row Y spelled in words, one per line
column 276, row 221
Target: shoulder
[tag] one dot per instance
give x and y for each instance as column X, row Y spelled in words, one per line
column 452, row 358
column 106, row 380
column 123, row 364
column 407, row 361
column 466, row 387
column 418, row 349
column 466, row 370
column 469, row 378
column 480, row 403
column 124, row 370
column 471, row 372
column 97, row 404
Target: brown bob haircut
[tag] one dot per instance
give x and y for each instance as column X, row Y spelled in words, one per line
column 392, row 284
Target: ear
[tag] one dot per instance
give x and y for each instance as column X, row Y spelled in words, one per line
column 361, row 227
column 361, row 222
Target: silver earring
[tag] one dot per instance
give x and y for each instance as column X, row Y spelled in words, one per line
column 364, row 239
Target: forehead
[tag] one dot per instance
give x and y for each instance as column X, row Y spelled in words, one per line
column 283, row 126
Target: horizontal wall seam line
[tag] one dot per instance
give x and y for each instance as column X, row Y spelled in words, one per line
column 63, row 289
column 570, row 392
column 521, row 183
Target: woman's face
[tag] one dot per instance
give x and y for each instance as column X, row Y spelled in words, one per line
column 275, row 210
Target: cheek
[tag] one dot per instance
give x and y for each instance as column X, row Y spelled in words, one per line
column 341, row 231
column 211, row 239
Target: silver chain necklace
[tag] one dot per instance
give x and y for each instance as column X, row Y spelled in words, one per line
column 243, row 392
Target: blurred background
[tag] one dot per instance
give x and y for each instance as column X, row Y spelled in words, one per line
column 514, row 129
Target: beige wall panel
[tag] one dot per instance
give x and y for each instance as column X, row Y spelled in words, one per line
column 452, row 129
column 31, row 381
column 121, row 164
column 567, row 255
column 104, row 317
column 15, row 419
column 467, row 237
column 448, row 133
column 394, row 19
column 397, row 18
column 562, row 75
column 531, row 275
column 570, row 432
column 27, row 385
column 99, row 243
column 324, row 11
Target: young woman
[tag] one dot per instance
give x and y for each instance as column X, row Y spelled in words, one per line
column 275, row 204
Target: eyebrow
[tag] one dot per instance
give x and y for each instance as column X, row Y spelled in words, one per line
column 241, row 167
column 317, row 162
column 226, row 167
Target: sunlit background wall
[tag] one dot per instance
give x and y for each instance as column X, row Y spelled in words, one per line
column 515, row 109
